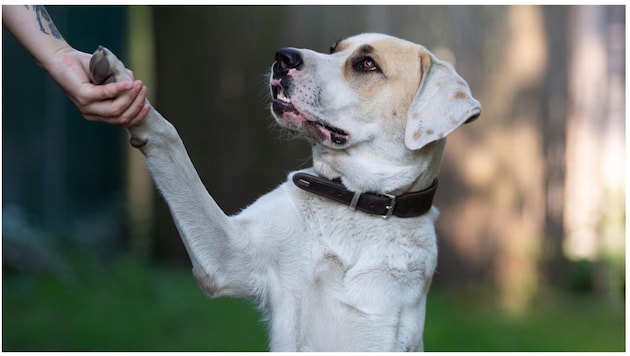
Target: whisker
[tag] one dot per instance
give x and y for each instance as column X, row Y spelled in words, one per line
column 264, row 94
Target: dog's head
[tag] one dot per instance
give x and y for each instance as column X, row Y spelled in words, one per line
column 371, row 90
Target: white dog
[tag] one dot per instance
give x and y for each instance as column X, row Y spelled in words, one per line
column 340, row 257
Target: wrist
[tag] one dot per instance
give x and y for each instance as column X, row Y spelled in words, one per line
column 53, row 54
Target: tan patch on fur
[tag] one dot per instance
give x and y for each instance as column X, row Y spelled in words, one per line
column 401, row 69
column 425, row 64
column 341, row 46
column 460, row 95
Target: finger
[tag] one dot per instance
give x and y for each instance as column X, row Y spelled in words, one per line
column 130, row 113
column 111, row 108
column 90, row 94
column 140, row 116
column 134, row 108
column 144, row 106
column 120, row 104
column 138, row 109
column 113, row 90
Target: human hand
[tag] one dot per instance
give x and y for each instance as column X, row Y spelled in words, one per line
column 119, row 103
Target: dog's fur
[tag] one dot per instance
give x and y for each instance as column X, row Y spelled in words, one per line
column 377, row 110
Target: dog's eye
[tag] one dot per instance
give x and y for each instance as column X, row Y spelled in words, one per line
column 366, row 64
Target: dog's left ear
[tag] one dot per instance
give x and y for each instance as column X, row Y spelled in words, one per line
column 442, row 104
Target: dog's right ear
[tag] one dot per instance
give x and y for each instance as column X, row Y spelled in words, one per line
column 442, row 104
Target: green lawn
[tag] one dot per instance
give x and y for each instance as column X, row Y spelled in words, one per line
column 134, row 307
column 555, row 322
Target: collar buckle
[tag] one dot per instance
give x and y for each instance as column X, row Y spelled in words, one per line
column 390, row 207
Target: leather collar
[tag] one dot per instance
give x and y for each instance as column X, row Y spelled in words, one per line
column 404, row 206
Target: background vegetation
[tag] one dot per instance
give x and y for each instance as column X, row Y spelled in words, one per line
column 135, row 306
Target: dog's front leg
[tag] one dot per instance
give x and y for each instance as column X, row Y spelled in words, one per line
column 215, row 244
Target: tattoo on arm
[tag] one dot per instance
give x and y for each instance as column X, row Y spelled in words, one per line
column 45, row 21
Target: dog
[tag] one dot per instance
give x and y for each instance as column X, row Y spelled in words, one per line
column 339, row 257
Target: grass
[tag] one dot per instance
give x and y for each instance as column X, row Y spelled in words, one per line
column 140, row 307
column 555, row 322
column 133, row 308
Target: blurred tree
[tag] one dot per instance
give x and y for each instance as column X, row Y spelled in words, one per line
column 594, row 207
column 499, row 162
column 553, row 97
column 140, row 191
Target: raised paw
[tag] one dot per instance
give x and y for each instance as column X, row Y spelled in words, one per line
column 106, row 68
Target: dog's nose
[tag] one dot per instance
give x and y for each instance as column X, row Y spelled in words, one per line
column 288, row 58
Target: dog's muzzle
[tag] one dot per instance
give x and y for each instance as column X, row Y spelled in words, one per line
column 282, row 88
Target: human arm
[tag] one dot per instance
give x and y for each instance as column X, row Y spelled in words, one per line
column 120, row 103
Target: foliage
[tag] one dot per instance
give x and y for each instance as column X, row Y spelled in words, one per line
column 131, row 308
column 137, row 306
column 556, row 321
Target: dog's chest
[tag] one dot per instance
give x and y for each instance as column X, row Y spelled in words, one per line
column 356, row 253
column 359, row 240
column 365, row 273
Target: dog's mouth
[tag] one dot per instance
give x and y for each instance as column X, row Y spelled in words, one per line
column 281, row 99
column 282, row 106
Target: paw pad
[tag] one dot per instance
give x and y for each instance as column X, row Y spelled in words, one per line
column 101, row 71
